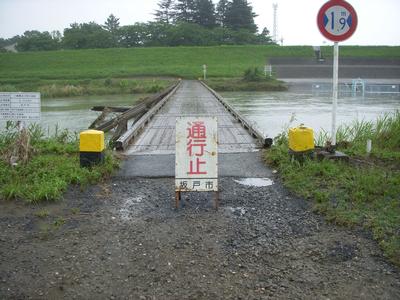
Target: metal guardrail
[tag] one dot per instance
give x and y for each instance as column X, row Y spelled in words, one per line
column 125, row 139
column 251, row 128
column 354, row 90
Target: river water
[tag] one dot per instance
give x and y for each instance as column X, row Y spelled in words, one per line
column 271, row 111
column 75, row 114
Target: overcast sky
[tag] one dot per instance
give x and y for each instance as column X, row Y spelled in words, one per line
column 378, row 20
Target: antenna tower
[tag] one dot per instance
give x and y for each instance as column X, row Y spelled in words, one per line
column 275, row 32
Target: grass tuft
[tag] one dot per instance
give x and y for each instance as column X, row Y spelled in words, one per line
column 44, row 213
column 384, row 134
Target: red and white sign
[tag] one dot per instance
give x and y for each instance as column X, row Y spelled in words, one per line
column 337, row 20
column 196, row 162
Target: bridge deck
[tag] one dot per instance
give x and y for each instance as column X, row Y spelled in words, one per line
column 191, row 99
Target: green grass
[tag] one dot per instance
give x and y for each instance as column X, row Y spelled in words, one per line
column 223, row 61
column 53, row 166
column 384, row 134
column 253, row 79
column 365, row 191
column 237, row 84
column 187, row 62
column 364, row 51
column 83, row 87
column 119, row 71
column 43, row 213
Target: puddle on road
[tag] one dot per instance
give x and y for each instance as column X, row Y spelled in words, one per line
column 257, row 182
column 130, row 208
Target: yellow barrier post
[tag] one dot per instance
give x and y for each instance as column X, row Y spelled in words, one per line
column 301, row 141
column 91, row 147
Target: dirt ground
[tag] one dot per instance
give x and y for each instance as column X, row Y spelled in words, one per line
column 124, row 240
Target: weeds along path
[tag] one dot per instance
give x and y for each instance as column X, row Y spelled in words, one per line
column 125, row 240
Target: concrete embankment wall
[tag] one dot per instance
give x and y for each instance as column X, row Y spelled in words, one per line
column 365, row 68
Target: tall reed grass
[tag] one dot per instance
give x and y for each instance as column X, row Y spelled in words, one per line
column 384, row 134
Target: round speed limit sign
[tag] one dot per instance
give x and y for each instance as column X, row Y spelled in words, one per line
column 337, row 20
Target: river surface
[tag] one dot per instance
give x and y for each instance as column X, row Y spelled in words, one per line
column 271, row 111
column 75, row 114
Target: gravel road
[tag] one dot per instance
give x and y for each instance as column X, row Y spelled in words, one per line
column 124, row 240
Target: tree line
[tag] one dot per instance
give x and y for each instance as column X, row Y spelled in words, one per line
column 177, row 23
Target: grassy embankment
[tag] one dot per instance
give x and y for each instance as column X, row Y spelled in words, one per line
column 46, row 166
column 85, row 87
column 365, row 191
column 112, row 71
column 364, row 51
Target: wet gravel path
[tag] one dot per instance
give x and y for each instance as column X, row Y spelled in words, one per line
column 124, row 240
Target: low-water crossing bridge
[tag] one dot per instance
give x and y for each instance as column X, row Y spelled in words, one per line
column 152, row 149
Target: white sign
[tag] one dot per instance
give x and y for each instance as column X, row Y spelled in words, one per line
column 196, row 162
column 20, row 106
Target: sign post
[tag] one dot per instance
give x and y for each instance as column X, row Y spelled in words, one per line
column 337, row 21
column 335, row 89
column 196, row 162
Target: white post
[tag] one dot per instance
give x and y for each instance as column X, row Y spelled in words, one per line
column 369, row 147
column 335, row 90
column 268, row 70
column 205, row 72
column 20, row 125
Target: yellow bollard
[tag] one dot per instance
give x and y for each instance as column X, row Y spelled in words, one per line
column 91, row 147
column 301, row 140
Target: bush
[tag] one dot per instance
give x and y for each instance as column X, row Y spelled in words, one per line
column 253, row 75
